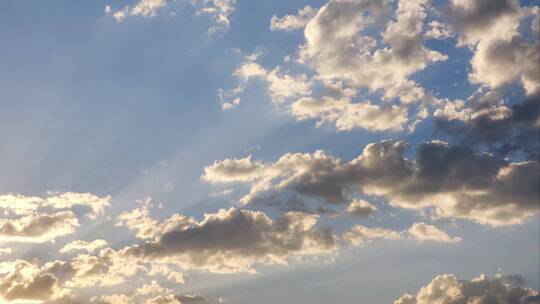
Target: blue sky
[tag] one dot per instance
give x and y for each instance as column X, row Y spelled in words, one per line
column 128, row 110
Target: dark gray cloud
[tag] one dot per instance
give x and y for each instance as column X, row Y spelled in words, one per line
column 235, row 240
column 501, row 128
column 453, row 181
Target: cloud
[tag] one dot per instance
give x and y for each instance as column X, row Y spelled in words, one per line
column 501, row 54
column 194, row 299
column 292, row 22
column 153, row 293
column 501, row 62
column 43, row 219
column 337, row 48
column 282, row 85
column 218, row 10
column 143, row 8
column 477, row 20
column 438, row 30
column 19, row 204
column 22, row 280
column 451, row 181
column 447, row 289
column 424, row 232
column 103, row 268
column 84, row 246
column 420, row 232
column 38, row 227
column 235, row 240
column 233, row 170
column 350, row 46
column 484, row 118
column 360, row 234
column 361, row 208
column 347, row 115
column 148, row 228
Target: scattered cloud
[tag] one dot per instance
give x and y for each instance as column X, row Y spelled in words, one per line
column 43, row 219
column 420, row 232
column 292, row 22
column 447, row 289
column 342, row 57
column 361, row 208
column 360, row 235
column 218, row 10
column 424, row 232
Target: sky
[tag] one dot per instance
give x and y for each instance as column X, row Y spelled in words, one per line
column 254, row 152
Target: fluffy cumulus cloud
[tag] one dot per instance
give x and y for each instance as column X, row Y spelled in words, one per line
column 60, row 282
column 501, row 54
column 235, row 240
column 219, row 10
column 344, row 56
column 351, row 46
column 337, row 47
column 43, row 219
column 22, row 280
column 450, row 181
column 447, row 289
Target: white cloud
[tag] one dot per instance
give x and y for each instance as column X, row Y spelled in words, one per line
column 420, row 232
column 22, row 280
column 38, row 227
column 500, row 62
column 447, row 289
column 438, row 30
column 84, row 246
column 501, row 54
column 340, row 54
column 424, row 232
column 218, row 10
column 361, row 208
column 360, row 234
column 292, row 22
column 43, row 219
